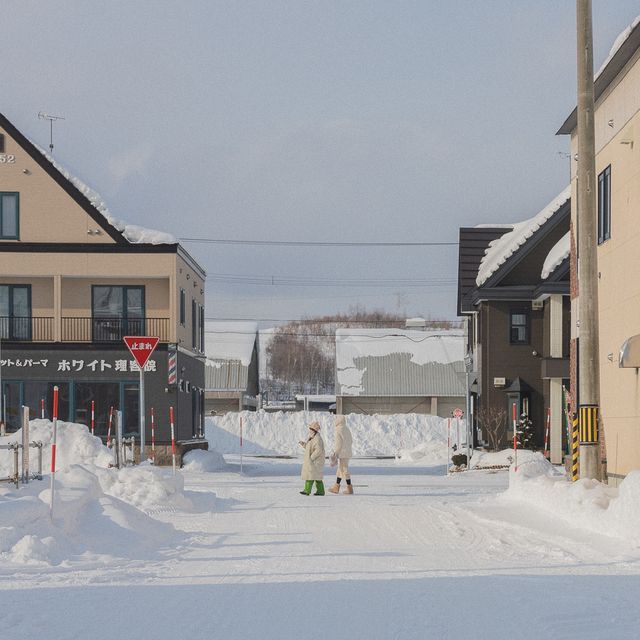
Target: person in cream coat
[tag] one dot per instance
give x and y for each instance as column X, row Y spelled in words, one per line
column 313, row 464
column 342, row 453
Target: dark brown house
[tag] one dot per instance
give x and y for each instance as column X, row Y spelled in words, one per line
column 513, row 291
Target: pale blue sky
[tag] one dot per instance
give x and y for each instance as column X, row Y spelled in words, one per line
column 307, row 121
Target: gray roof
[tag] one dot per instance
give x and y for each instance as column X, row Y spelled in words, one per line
column 396, row 375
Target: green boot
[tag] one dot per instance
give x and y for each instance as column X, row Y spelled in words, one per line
column 319, row 488
column 307, row 487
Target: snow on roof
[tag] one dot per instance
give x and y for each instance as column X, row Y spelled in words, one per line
column 558, row 254
column 131, row 232
column 617, row 43
column 500, row 250
column 229, row 341
column 424, row 347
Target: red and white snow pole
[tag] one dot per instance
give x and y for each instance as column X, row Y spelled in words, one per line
column 53, row 447
column 109, row 427
column 153, row 436
column 515, row 435
column 42, row 408
column 173, row 440
column 241, row 444
column 93, row 417
column 547, row 431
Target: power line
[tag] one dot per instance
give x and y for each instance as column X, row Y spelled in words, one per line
column 304, row 281
column 305, row 243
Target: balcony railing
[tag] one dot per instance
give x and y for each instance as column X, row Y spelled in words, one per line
column 74, row 329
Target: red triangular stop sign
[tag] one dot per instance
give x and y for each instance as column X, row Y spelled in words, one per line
column 141, row 347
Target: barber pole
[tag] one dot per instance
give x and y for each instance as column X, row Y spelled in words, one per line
column 153, row 436
column 53, row 447
column 93, row 417
column 173, row 440
column 42, row 408
column 547, row 431
column 109, row 427
column 515, row 436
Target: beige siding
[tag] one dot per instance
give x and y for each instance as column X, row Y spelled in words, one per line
column 193, row 285
column 47, row 212
column 617, row 123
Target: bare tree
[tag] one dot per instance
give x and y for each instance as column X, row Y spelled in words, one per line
column 493, row 422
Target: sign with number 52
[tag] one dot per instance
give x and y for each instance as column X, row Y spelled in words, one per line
column 7, row 159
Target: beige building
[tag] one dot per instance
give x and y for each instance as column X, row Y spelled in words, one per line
column 73, row 282
column 617, row 140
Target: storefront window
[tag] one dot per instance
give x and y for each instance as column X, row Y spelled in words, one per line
column 105, row 395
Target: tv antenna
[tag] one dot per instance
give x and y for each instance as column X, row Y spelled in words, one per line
column 45, row 116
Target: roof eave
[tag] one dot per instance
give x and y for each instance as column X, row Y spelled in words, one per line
column 607, row 76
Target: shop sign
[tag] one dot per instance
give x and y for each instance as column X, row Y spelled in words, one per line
column 76, row 366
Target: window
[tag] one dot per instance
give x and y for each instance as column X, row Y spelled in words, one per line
column 183, row 307
column 9, row 215
column 202, row 329
column 117, row 311
column 15, row 311
column 519, row 327
column 604, row 205
column 194, row 323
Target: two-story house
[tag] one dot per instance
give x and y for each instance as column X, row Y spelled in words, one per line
column 73, row 282
column 616, row 122
column 513, row 291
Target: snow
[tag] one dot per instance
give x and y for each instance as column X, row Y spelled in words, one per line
column 279, row 433
column 201, row 461
column 436, row 346
column 504, row 458
column 617, row 43
column 501, row 249
column 133, row 233
column 229, row 341
column 558, row 254
column 414, row 553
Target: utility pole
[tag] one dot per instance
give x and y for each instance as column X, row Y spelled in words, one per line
column 589, row 361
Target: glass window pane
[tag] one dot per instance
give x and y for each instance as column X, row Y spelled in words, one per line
column 135, row 303
column 9, row 207
column 107, row 302
column 131, row 410
column 105, row 395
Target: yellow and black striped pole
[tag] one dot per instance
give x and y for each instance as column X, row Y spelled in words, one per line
column 575, row 449
column 588, row 424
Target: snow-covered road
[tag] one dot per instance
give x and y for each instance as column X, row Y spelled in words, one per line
column 413, row 554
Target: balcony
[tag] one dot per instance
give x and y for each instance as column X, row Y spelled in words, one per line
column 79, row 330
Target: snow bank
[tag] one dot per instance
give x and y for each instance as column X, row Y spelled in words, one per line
column 278, row 433
column 586, row 504
column 98, row 511
column 201, row 461
column 75, row 445
column 504, row 458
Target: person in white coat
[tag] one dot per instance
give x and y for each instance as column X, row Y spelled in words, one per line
column 342, row 453
column 313, row 464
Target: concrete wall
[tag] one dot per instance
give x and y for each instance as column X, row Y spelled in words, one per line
column 387, row 406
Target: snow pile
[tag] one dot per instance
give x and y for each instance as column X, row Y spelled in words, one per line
column 278, row 433
column 504, row 458
column 88, row 524
column 75, row 445
column 201, row 461
column 558, row 254
column 500, row 250
column 586, row 504
column 133, row 233
column 145, row 487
